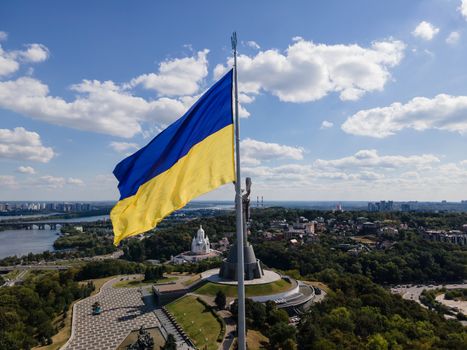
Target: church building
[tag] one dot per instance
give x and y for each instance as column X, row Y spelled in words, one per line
column 200, row 244
column 200, row 250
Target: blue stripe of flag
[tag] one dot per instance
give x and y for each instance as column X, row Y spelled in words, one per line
column 211, row 113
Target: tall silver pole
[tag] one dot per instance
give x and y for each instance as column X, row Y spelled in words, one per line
column 238, row 202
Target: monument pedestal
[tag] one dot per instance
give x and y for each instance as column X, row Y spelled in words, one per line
column 252, row 266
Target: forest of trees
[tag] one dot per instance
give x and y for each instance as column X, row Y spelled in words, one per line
column 262, row 217
column 27, row 311
column 89, row 243
column 408, row 261
column 99, row 269
column 269, row 320
column 359, row 314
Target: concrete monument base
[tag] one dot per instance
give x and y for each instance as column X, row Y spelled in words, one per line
column 267, row 277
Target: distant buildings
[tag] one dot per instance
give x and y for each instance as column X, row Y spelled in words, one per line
column 302, row 230
column 388, row 231
column 405, row 207
column 452, row 236
column 380, row 206
column 369, row 228
column 43, row 206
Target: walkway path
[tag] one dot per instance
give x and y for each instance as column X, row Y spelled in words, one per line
column 122, row 312
column 412, row 292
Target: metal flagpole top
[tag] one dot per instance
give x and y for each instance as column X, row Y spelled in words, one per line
column 233, row 39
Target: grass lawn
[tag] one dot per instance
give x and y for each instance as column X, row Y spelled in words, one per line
column 98, row 283
column 197, row 321
column 59, row 339
column 251, row 291
column 320, row 285
column 191, row 280
column 140, row 283
column 256, row 340
column 364, row 239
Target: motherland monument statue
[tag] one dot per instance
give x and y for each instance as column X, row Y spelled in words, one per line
column 252, row 266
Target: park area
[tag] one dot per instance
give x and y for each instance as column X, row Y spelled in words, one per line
column 275, row 287
column 139, row 281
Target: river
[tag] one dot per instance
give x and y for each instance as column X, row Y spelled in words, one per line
column 23, row 242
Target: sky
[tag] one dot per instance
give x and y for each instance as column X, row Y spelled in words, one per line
column 340, row 100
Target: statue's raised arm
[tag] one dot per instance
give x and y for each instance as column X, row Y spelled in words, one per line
column 246, row 200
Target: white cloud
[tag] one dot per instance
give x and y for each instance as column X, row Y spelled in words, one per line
column 425, row 31
column 244, row 99
column 8, row 65
column 26, row 170
column 463, row 8
column 20, row 143
column 103, row 107
column 254, row 151
column 453, row 38
column 74, row 181
column 371, row 159
column 177, row 77
column 443, row 112
column 253, row 44
column 33, row 53
column 49, row 181
column 8, row 181
column 3, row 35
column 364, row 175
column 123, row 147
column 10, row 60
column 307, row 71
column 106, row 179
column 326, row 124
column 54, row 182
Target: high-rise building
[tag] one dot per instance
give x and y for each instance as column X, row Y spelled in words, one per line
column 405, row 207
column 381, row 206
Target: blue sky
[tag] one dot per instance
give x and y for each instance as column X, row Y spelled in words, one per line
column 341, row 100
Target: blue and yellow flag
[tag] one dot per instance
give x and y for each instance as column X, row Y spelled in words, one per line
column 192, row 156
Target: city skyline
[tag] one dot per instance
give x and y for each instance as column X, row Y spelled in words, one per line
column 337, row 103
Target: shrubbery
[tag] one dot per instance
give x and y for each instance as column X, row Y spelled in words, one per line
column 105, row 268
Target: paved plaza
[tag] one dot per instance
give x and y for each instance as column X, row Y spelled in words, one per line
column 213, row 276
column 123, row 311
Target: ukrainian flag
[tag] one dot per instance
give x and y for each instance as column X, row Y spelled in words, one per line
column 192, row 156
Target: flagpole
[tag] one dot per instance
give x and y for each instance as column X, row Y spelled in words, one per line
column 238, row 205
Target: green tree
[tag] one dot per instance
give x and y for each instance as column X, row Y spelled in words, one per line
column 170, row 343
column 377, row 342
column 280, row 334
column 220, row 300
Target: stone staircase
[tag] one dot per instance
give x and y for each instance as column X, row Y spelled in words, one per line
column 170, row 326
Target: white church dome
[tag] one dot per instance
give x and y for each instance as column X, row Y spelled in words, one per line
column 200, row 243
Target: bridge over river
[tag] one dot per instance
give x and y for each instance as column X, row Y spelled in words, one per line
column 39, row 225
column 50, row 223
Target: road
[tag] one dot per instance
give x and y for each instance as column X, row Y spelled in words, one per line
column 17, row 279
column 33, row 267
column 115, row 255
column 413, row 292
